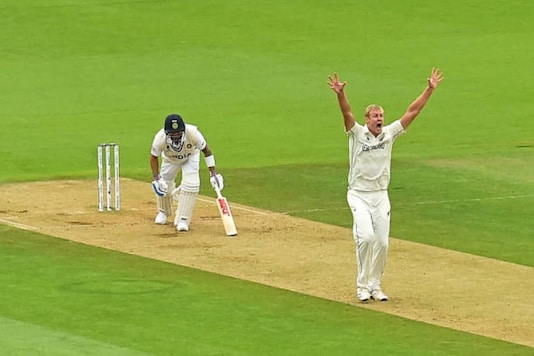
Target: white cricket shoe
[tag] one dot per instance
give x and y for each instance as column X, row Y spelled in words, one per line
column 363, row 294
column 182, row 226
column 161, row 218
column 377, row 294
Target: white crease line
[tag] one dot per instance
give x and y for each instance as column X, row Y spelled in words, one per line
column 420, row 203
column 472, row 199
column 237, row 207
column 313, row 210
column 19, row 225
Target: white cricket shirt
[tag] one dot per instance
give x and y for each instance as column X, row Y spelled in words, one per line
column 194, row 141
column 370, row 156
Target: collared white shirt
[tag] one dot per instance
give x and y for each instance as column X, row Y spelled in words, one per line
column 194, row 141
column 370, row 156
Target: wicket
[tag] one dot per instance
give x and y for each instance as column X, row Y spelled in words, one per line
column 104, row 150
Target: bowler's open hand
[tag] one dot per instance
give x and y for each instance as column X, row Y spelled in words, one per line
column 435, row 77
column 335, row 84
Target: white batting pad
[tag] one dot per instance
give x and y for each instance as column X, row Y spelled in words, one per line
column 186, row 204
column 165, row 204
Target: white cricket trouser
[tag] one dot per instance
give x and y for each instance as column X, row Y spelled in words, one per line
column 190, row 184
column 169, row 170
column 371, row 215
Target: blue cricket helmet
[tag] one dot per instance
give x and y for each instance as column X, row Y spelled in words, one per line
column 174, row 128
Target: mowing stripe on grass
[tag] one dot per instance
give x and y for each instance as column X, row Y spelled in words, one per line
column 25, row 338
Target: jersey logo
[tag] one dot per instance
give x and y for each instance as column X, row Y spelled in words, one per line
column 379, row 146
column 184, row 156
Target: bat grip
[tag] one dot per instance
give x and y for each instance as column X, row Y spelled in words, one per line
column 218, row 191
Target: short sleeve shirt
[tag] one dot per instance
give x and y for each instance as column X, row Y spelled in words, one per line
column 194, row 141
column 370, row 156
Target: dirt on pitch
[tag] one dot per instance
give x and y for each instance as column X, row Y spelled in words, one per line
column 428, row 284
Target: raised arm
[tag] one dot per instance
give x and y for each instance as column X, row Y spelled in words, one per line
column 339, row 88
column 436, row 76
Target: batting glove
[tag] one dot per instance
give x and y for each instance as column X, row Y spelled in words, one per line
column 160, row 187
column 217, row 181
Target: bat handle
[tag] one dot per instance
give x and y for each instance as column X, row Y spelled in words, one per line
column 176, row 190
column 218, row 191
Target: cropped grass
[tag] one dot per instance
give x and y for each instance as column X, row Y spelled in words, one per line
column 66, row 298
column 252, row 76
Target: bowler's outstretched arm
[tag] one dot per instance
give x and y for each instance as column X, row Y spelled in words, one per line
column 415, row 108
column 339, row 88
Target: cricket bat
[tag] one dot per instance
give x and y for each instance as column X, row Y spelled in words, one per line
column 226, row 214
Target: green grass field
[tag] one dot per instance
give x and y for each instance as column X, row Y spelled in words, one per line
column 252, row 76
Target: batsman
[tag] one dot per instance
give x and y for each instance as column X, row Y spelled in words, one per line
column 179, row 145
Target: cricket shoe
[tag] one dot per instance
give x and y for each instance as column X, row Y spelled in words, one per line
column 363, row 294
column 161, row 218
column 377, row 294
column 182, row 226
